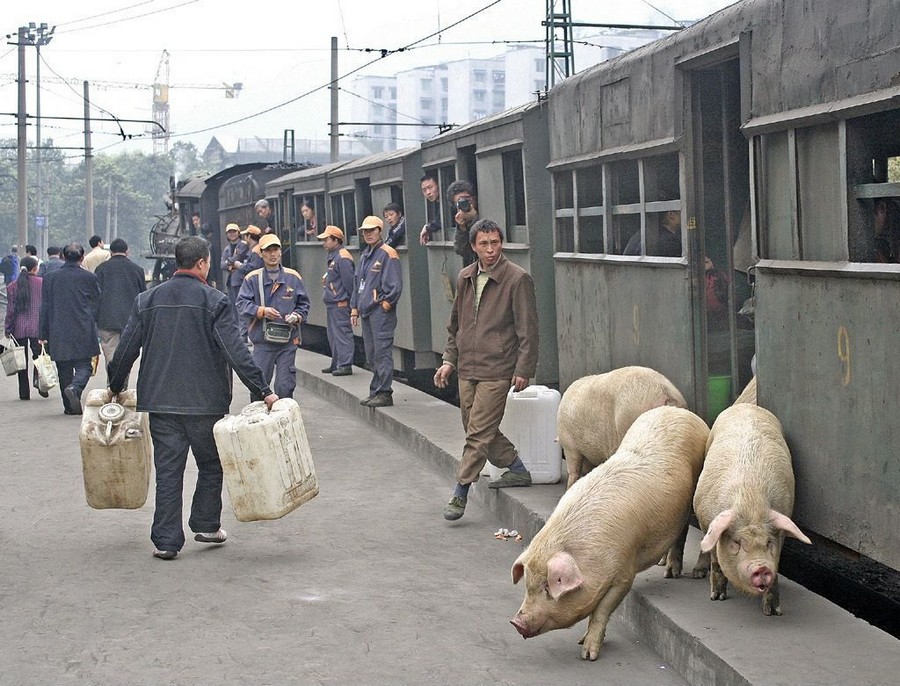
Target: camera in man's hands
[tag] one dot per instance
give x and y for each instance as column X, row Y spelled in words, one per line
column 464, row 205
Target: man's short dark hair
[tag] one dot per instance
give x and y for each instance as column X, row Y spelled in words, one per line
column 73, row 252
column 190, row 250
column 428, row 177
column 484, row 226
column 460, row 186
column 94, row 241
column 30, row 250
column 393, row 207
column 52, row 250
column 118, row 246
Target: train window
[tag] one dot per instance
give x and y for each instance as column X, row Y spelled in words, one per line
column 565, row 234
column 626, row 189
column 445, row 175
column 774, row 184
column 626, row 234
column 514, row 200
column 590, row 234
column 564, row 208
column 661, row 178
column 565, row 190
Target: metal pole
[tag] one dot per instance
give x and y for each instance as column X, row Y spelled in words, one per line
column 88, row 165
column 335, row 148
column 38, row 198
column 21, row 147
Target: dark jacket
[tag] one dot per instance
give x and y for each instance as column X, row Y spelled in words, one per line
column 51, row 264
column 120, row 282
column 233, row 252
column 187, row 336
column 501, row 340
column 338, row 280
column 69, row 304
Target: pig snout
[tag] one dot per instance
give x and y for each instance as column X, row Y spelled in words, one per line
column 761, row 579
column 521, row 625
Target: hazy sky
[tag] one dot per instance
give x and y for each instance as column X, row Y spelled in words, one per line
column 280, row 54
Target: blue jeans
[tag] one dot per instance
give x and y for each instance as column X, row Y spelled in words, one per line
column 172, row 435
column 75, row 373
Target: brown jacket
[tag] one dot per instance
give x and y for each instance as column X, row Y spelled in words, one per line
column 502, row 340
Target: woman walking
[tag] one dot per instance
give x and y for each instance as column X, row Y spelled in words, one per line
column 23, row 316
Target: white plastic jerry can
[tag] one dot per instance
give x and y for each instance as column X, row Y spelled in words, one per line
column 530, row 423
column 266, row 461
column 116, row 451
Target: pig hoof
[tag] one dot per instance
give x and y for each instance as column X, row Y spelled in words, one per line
column 700, row 572
column 590, row 653
column 718, row 595
column 672, row 571
column 771, row 607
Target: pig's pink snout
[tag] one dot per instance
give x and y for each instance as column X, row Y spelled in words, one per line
column 521, row 626
column 761, row 579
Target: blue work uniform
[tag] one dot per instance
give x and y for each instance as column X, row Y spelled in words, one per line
column 283, row 290
column 252, row 261
column 338, row 286
column 379, row 283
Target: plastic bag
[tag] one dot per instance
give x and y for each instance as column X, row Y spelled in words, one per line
column 46, row 371
column 13, row 358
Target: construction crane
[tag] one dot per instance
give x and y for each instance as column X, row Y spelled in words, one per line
column 160, row 132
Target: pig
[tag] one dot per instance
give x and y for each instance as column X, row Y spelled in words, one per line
column 596, row 411
column 748, row 395
column 613, row 523
column 744, row 502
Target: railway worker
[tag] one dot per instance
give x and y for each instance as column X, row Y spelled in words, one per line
column 234, row 254
column 337, row 288
column 70, row 300
column 373, row 304
column 264, row 212
column 120, row 280
column 465, row 203
column 393, row 215
column 273, row 302
column 432, row 193
column 494, row 311
column 98, row 254
column 186, row 393
column 253, row 261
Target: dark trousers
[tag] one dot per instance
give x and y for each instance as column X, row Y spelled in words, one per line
column 75, row 373
column 277, row 358
column 172, row 435
column 340, row 336
column 24, row 385
column 241, row 320
column 378, row 338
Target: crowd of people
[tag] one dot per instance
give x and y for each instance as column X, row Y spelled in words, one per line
column 75, row 304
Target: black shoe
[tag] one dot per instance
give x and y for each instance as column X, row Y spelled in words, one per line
column 73, row 397
column 342, row 371
column 328, row 370
column 381, row 400
column 366, row 401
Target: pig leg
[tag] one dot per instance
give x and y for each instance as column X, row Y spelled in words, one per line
column 574, row 460
column 772, row 600
column 701, row 568
column 599, row 618
column 675, row 557
column 718, row 582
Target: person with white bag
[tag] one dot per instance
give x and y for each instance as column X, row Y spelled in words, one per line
column 23, row 317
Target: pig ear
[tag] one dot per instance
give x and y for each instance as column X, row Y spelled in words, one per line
column 563, row 575
column 716, row 528
column 518, row 569
column 787, row 525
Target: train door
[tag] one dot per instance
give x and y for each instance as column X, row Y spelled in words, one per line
column 719, row 230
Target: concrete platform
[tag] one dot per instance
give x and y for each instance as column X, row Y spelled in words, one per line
column 726, row 643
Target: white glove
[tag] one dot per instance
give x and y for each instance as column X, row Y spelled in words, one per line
column 292, row 318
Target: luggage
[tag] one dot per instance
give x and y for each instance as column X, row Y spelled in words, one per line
column 13, row 358
column 116, row 451
column 530, row 423
column 266, row 460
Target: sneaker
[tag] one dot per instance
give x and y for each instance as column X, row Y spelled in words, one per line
column 342, row 371
column 381, row 400
column 455, row 508
column 73, row 398
column 366, row 401
column 328, row 370
column 165, row 554
column 215, row 537
column 511, row 479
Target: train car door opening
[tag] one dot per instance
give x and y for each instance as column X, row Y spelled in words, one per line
column 720, row 235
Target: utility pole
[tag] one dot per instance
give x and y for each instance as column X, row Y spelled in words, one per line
column 43, row 37
column 88, row 165
column 335, row 141
column 21, row 146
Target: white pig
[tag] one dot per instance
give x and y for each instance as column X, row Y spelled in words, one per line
column 613, row 523
column 748, row 395
column 596, row 411
column 744, row 502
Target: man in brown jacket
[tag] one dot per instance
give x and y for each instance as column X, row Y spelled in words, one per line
column 493, row 344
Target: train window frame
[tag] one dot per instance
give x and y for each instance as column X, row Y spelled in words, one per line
column 598, row 206
column 445, row 175
column 513, row 164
